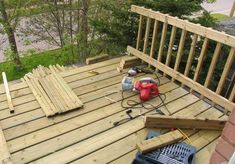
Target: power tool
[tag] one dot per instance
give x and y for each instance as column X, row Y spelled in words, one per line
column 146, row 87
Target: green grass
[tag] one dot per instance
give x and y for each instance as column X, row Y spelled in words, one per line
column 46, row 58
column 220, row 16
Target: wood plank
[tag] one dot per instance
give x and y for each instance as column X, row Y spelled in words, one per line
column 13, row 87
column 83, row 75
column 159, row 141
column 171, row 44
column 89, row 67
column 97, row 59
column 38, row 93
column 139, row 37
column 52, row 93
column 191, row 54
column 213, row 64
column 128, row 150
column 66, row 101
column 5, row 156
column 226, row 69
column 203, row 155
column 232, row 94
column 180, row 50
column 154, row 38
column 89, row 96
column 8, row 95
column 101, row 140
column 188, row 26
column 184, row 122
column 129, row 156
column 185, row 80
column 201, row 59
column 86, row 123
column 107, row 123
column 162, row 42
column 68, row 90
column 15, row 94
column 146, row 36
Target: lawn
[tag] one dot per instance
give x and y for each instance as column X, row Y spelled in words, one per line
column 46, row 58
column 220, row 16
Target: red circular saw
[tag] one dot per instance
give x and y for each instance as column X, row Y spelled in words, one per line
column 146, row 87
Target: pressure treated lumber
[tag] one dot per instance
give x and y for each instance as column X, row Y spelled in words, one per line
column 51, row 91
column 4, row 151
column 162, row 42
column 139, row 36
column 10, row 105
column 183, row 79
column 184, row 122
column 129, row 62
column 97, row 59
column 188, row 26
column 160, row 141
column 146, row 37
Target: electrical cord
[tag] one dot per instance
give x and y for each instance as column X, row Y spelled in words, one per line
column 132, row 104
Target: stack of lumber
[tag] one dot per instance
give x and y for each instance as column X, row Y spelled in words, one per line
column 51, row 91
column 128, row 62
column 97, row 59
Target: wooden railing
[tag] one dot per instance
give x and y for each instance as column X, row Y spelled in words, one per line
column 161, row 23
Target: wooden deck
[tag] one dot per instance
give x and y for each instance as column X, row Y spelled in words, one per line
column 88, row 135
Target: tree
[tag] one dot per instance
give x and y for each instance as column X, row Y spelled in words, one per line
column 9, row 30
column 118, row 26
column 83, row 30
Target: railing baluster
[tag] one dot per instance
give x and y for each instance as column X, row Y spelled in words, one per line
column 213, row 64
column 171, row 44
column 232, row 94
column 201, row 59
column 154, row 39
column 225, row 71
column 163, row 39
column 191, row 54
column 146, row 37
column 139, row 32
column 180, row 50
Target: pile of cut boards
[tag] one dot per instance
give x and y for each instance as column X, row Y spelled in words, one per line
column 172, row 122
column 51, row 91
column 128, row 62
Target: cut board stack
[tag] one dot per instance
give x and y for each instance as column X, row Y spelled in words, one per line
column 51, row 91
column 127, row 62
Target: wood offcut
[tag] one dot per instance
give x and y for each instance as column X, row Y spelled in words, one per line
column 184, row 122
column 160, row 141
column 128, row 62
column 10, row 105
column 97, row 59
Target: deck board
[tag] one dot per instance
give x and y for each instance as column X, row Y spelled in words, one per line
column 88, row 135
